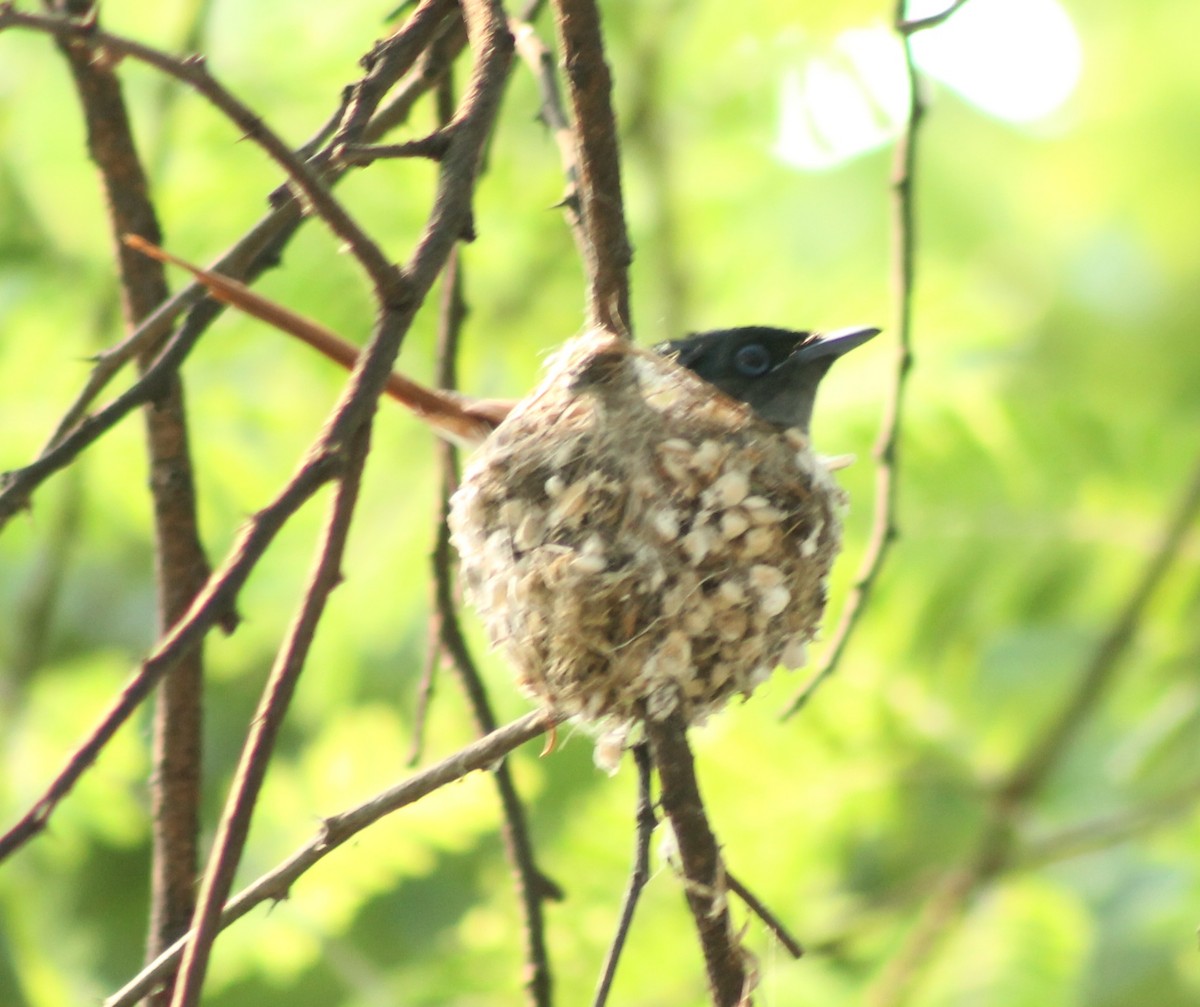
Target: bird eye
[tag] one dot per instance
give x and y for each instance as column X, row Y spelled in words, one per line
column 752, row 360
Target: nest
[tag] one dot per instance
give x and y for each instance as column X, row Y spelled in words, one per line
column 638, row 543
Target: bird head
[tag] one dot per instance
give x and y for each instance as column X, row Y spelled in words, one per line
column 774, row 371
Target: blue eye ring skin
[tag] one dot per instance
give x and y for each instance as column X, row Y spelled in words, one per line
column 752, row 360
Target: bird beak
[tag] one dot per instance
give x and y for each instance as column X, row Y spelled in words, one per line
column 834, row 344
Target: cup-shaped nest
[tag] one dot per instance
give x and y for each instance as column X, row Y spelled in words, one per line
column 638, row 542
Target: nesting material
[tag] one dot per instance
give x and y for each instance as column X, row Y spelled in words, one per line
column 636, row 541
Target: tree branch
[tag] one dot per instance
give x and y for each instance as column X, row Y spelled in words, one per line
column 181, row 564
column 450, row 213
column 1109, row 830
column 216, row 598
column 792, row 946
column 268, row 719
column 589, row 84
column 540, row 61
column 994, row 851
column 911, row 27
column 385, row 64
column 532, row 886
column 700, row 857
column 432, row 147
column 339, row 829
column 193, row 72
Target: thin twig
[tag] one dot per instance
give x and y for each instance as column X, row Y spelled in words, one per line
column 884, row 531
column 452, row 312
column 493, row 45
column 181, row 566
column 647, row 822
column 700, row 858
column 193, row 71
column 385, row 64
column 426, row 684
column 995, row 850
column 234, row 827
column 533, row 887
column 608, row 252
column 911, row 27
column 432, row 147
column 17, row 486
column 148, row 336
column 1101, row 833
column 540, row 60
column 773, row 923
column 1031, row 771
column 445, row 46
column 339, row 829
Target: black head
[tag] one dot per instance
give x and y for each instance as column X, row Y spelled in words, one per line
column 774, row 371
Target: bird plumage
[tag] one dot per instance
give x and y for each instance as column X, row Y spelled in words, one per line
column 774, row 371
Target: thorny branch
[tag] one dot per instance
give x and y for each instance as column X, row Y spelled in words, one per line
column 339, row 829
column 193, row 72
column 532, row 886
column 540, row 61
column 589, row 84
column 234, row 827
column 259, row 249
column 703, row 869
column 215, row 602
column 180, row 561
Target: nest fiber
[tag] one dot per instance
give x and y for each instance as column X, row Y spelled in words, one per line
column 638, row 542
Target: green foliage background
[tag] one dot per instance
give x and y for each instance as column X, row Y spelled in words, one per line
column 1054, row 416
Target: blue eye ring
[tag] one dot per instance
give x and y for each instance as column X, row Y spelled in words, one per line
column 752, row 360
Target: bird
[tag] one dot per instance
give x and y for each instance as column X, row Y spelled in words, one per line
column 638, row 540
column 774, row 371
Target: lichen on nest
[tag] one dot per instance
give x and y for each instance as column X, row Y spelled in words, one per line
column 636, row 542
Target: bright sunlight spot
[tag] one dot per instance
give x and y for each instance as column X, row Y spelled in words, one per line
column 1015, row 60
column 844, row 100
